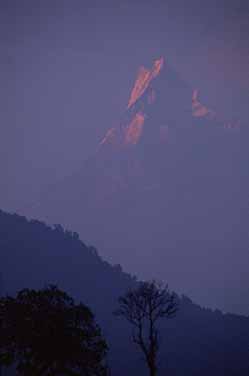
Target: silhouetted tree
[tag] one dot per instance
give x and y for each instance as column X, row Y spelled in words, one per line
column 143, row 307
column 32, row 252
column 45, row 333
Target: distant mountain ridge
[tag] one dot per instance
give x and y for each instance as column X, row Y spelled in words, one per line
column 148, row 92
column 198, row 341
column 171, row 176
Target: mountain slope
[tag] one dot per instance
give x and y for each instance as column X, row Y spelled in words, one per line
column 198, row 341
column 169, row 182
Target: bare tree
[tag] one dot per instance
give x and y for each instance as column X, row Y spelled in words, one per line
column 143, row 307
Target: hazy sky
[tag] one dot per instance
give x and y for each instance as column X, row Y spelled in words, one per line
column 67, row 68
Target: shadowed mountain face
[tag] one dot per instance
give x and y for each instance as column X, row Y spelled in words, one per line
column 166, row 192
column 196, row 342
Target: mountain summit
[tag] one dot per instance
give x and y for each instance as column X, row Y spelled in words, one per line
column 148, row 93
column 166, row 192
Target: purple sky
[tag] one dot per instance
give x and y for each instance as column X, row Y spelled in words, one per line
column 67, row 68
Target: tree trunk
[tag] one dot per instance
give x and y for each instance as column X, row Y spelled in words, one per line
column 153, row 371
column 152, row 368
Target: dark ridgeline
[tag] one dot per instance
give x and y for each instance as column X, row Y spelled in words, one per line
column 197, row 341
column 180, row 186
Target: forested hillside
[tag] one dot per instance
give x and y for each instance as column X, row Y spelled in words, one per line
column 197, row 341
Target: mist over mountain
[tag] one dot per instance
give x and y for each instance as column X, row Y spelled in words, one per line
column 167, row 187
column 197, row 341
column 126, row 124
